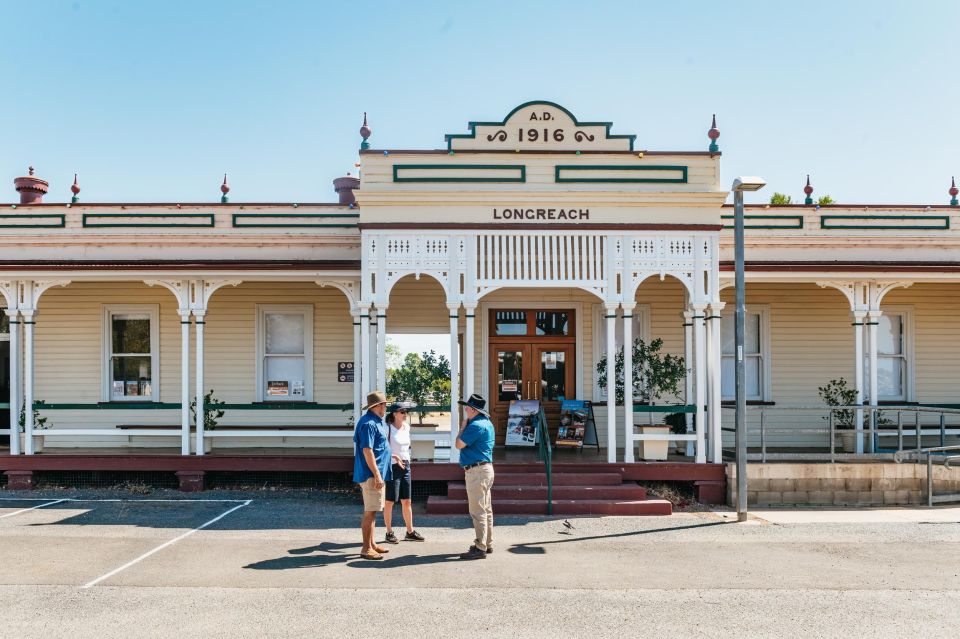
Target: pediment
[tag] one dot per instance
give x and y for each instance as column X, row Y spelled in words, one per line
column 539, row 126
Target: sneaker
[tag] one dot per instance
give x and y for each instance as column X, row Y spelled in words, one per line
column 391, row 538
column 489, row 549
column 413, row 536
column 474, row 553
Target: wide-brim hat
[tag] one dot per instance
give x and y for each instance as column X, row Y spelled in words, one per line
column 375, row 398
column 477, row 403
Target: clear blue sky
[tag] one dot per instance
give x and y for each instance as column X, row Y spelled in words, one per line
column 155, row 100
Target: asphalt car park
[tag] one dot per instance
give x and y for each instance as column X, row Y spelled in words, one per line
column 257, row 564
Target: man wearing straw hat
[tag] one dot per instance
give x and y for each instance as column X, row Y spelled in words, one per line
column 475, row 441
column 371, row 468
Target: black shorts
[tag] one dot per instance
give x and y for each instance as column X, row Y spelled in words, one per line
column 400, row 485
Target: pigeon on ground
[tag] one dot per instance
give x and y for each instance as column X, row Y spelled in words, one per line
column 567, row 524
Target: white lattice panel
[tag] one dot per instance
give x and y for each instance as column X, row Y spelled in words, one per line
column 540, row 259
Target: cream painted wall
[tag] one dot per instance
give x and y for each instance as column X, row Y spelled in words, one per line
column 69, row 357
column 810, row 336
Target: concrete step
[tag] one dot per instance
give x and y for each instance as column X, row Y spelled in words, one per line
column 621, row 492
column 559, row 479
column 446, row 506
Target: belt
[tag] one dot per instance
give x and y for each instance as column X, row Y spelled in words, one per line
column 483, row 463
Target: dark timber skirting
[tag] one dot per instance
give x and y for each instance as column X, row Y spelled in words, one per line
column 709, row 479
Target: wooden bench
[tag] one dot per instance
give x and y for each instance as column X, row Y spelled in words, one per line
column 250, row 430
column 283, row 431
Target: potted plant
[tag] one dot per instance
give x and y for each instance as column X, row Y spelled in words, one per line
column 678, row 426
column 212, row 413
column 837, row 393
column 655, row 375
column 39, row 423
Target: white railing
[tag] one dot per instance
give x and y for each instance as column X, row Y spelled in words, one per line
column 540, row 259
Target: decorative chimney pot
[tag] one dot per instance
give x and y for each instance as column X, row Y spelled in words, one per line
column 344, row 186
column 31, row 189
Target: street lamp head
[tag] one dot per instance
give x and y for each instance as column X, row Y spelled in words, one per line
column 748, row 183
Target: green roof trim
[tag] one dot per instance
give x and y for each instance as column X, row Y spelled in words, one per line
column 207, row 220
column 259, row 224
column 797, row 222
column 938, row 223
column 558, row 176
column 520, row 168
column 59, row 223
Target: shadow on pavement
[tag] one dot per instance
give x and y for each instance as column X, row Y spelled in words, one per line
column 535, row 548
column 333, row 553
column 407, row 560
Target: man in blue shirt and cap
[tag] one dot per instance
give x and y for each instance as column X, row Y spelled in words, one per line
column 371, row 468
column 475, row 441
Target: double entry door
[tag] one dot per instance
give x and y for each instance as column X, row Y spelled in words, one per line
column 540, row 371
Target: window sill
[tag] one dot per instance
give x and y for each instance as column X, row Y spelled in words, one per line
column 274, row 402
column 750, row 402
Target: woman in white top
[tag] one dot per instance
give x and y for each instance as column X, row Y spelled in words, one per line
column 399, row 488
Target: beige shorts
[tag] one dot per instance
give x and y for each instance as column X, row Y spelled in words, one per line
column 372, row 497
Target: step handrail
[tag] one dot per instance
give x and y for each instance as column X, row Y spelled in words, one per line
column 928, row 453
column 546, row 455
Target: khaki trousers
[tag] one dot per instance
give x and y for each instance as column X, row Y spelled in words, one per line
column 479, row 485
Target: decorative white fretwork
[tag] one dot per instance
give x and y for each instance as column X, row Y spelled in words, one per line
column 350, row 288
column 609, row 265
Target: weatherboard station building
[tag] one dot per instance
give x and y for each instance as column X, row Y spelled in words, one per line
column 541, row 243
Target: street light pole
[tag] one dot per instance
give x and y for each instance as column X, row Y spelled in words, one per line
column 740, row 185
column 741, row 396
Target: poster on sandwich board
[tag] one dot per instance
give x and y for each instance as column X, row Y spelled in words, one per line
column 522, row 423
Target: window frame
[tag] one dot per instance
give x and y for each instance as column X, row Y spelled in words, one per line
column 261, row 342
column 907, row 355
column 641, row 329
column 106, row 350
column 766, row 338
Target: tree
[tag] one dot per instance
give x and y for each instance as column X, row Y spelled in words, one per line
column 422, row 379
column 655, row 374
column 394, row 357
column 780, row 198
column 825, row 200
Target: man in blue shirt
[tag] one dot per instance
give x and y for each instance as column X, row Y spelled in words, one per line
column 475, row 441
column 371, row 468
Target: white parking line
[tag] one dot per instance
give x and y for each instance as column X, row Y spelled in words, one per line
column 165, row 544
column 24, row 510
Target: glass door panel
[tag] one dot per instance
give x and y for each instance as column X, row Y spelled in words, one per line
column 554, row 381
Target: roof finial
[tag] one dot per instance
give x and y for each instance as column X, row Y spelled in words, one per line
column 953, row 192
column 365, row 133
column 30, row 169
column 713, row 134
column 224, row 188
column 76, row 190
column 808, row 190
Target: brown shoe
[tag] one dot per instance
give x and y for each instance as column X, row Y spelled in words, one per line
column 381, row 550
column 489, row 548
column 373, row 556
